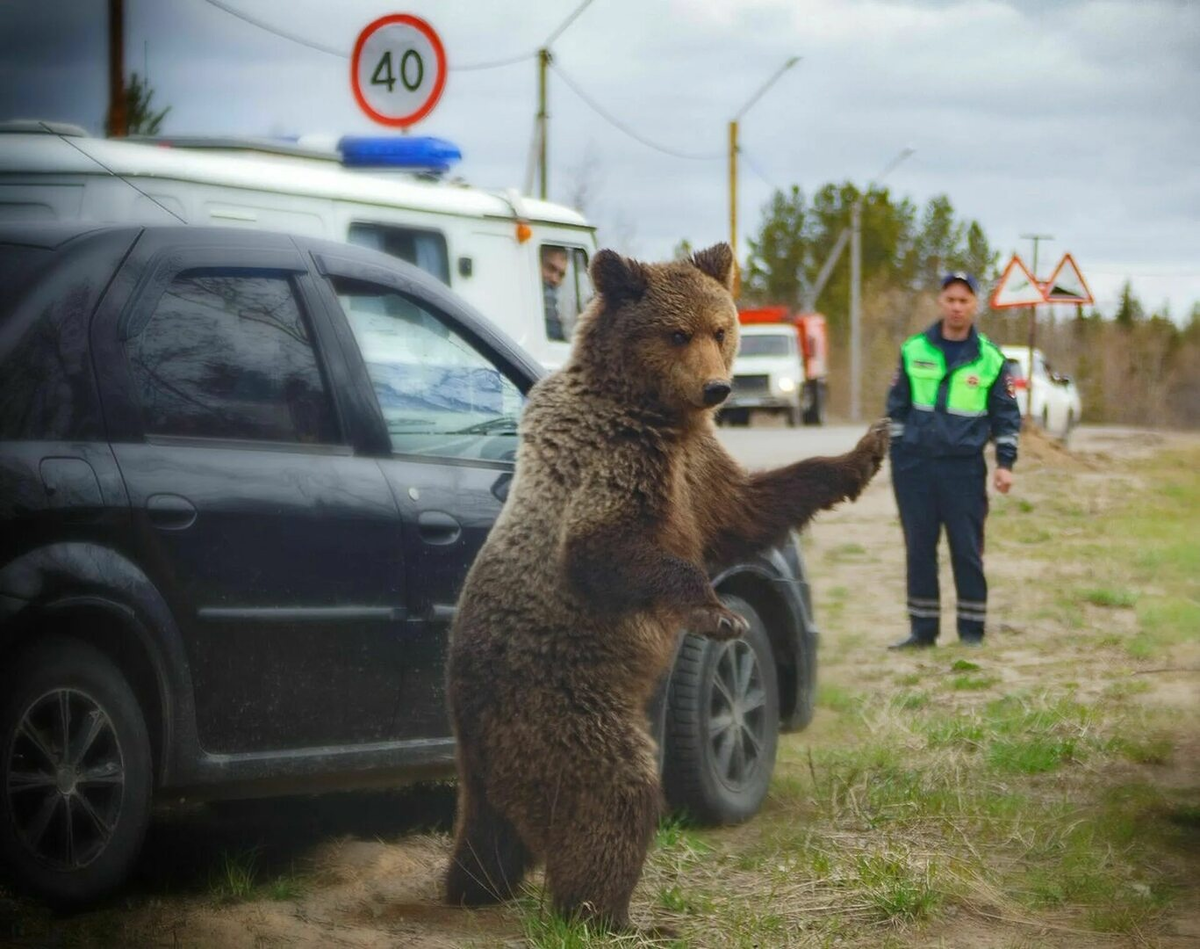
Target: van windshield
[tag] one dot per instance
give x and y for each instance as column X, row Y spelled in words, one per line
column 767, row 346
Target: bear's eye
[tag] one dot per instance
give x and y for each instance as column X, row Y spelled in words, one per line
column 720, row 336
column 680, row 338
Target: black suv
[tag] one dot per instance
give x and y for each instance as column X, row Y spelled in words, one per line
column 242, row 477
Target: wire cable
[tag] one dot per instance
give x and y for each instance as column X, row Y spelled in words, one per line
column 342, row 54
column 121, row 178
column 496, row 63
column 253, row 21
column 620, row 126
column 742, row 153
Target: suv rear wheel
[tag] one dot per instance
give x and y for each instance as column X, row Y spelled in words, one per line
column 722, row 723
column 76, row 768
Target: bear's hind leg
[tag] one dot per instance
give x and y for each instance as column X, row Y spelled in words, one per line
column 489, row 859
column 593, row 865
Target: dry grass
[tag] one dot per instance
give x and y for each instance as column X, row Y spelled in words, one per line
column 1031, row 793
column 1040, row 791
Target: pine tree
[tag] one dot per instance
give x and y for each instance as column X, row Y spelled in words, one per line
column 142, row 118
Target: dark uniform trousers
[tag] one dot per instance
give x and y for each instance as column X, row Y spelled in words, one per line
column 932, row 493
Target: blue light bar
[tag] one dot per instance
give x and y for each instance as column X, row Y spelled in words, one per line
column 420, row 154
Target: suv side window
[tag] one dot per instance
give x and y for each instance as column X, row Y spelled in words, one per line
column 227, row 354
column 424, row 249
column 566, row 288
column 440, row 396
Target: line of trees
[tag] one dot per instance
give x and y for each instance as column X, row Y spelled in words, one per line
column 1131, row 366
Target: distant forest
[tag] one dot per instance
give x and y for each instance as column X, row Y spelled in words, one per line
column 1131, row 366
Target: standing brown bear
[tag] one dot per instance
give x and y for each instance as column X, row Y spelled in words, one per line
column 622, row 502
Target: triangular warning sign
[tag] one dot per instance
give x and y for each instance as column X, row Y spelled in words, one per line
column 1016, row 287
column 1066, row 284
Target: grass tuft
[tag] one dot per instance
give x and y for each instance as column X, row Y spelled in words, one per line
column 233, row 879
column 1110, row 598
column 973, row 683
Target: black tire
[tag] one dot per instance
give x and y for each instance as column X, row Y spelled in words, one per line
column 721, row 776
column 806, row 688
column 89, row 807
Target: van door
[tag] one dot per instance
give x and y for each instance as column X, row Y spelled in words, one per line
column 500, row 286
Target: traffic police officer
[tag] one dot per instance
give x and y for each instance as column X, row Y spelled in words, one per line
column 950, row 396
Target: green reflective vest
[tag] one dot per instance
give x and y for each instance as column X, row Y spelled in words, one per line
column 967, row 391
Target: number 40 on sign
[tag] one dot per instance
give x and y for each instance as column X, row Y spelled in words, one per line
column 398, row 70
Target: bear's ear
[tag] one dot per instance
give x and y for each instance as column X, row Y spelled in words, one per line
column 717, row 262
column 618, row 279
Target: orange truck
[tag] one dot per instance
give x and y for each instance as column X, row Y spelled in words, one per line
column 780, row 367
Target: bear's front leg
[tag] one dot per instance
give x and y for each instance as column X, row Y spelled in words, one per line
column 769, row 504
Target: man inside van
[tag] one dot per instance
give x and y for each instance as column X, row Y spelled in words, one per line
column 554, row 269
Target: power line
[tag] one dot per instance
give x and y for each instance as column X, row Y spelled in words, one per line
column 1145, row 273
column 620, row 126
column 497, row 63
column 758, row 171
column 253, row 21
column 342, row 54
column 122, row 178
column 565, row 23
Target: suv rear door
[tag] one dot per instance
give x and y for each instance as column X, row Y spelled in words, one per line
column 278, row 547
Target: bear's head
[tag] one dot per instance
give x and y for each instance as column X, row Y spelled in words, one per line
column 662, row 334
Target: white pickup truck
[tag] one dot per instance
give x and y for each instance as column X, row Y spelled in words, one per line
column 768, row 374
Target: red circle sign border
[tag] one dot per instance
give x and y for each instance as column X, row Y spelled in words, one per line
column 439, row 51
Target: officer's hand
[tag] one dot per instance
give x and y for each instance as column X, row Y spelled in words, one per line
column 1003, row 480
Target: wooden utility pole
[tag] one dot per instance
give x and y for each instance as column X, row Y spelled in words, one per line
column 118, row 116
column 542, row 119
column 733, row 150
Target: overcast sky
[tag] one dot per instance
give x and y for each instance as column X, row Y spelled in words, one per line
column 1076, row 119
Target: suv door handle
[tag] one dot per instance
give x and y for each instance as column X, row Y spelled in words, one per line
column 170, row 512
column 436, row 527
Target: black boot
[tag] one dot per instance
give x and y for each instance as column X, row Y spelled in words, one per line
column 913, row 642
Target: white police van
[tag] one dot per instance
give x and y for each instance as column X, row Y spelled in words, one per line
column 386, row 193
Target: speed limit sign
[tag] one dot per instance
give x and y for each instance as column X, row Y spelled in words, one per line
column 398, row 69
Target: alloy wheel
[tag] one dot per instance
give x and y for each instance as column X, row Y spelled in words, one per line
column 65, row 778
column 737, row 714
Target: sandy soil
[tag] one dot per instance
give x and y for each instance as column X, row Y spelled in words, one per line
column 367, row 865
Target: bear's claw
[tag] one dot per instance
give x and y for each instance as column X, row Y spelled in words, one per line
column 717, row 623
column 874, row 445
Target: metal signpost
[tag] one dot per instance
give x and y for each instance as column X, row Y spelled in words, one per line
column 1018, row 287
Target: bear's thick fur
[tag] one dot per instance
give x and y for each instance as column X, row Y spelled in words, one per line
column 622, row 502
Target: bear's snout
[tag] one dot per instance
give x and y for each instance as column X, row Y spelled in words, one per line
column 716, row 392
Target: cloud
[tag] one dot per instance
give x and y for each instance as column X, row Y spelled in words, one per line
column 1074, row 118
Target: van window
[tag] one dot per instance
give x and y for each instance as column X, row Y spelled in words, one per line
column 566, row 288
column 440, row 395
column 425, row 249
column 228, row 355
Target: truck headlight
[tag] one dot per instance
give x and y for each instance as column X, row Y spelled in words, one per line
column 786, row 384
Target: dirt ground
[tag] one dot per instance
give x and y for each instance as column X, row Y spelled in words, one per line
column 361, row 870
